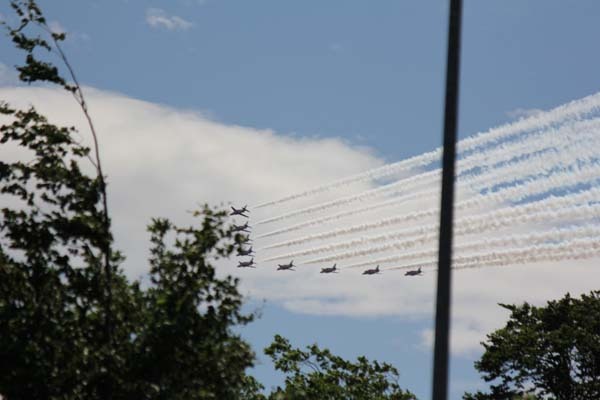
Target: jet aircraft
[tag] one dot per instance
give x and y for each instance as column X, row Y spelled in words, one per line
column 241, row 228
column 240, row 211
column 284, row 267
column 371, row 271
column 414, row 272
column 329, row 270
column 242, row 252
column 246, row 264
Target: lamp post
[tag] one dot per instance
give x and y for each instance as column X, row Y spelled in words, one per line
column 443, row 296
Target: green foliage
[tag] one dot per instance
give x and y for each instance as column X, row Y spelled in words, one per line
column 172, row 339
column 551, row 351
column 74, row 327
column 318, row 374
column 185, row 347
column 52, row 285
column 34, row 68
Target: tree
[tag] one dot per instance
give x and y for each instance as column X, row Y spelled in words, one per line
column 550, row 352
column 73, row 326
column 318, row 374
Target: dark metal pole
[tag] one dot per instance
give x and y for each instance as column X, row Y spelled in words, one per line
column 442, row 312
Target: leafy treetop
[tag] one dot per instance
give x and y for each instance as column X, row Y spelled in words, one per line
column 551, row 352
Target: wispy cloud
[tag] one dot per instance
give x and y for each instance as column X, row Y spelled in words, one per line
column 158, row 18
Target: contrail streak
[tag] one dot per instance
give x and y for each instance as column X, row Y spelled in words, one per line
column 512, row 241
column 401, row 185
column 533, row 173
column 573, row 249
column 570, row 138
column 540, row 211
column 477, row 227
column 555, row 256
column 562, row 201
column 318, row 221
column 574, row 110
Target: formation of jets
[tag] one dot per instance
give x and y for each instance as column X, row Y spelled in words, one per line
column 245, row 239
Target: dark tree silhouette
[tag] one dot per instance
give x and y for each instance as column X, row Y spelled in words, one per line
column 551, row 352
column 73, row 326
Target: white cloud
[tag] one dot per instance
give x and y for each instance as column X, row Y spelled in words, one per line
column 161, row 162
column 158, row 18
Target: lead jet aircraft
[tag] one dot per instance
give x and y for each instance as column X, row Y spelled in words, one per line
column 240, row 211
column 242, row 252
column 285, row 267
column 371, row 271
column 246, row 264
column 240, row 228
column 329, row 270
column 414, row 272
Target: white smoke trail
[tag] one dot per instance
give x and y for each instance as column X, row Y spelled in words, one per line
column 481, row 226
column 573, row 249
column 534, row 173
column 574, row 110
column 395, row 201
column 509, row 241
column 508, row 160
column 541, row 211
column 551, row 201
column 318, row 221
column 401, row 185
column 422, row 236
column 514, row 260
column 555, row 256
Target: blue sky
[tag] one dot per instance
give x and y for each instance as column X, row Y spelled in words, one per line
column 370, row 73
